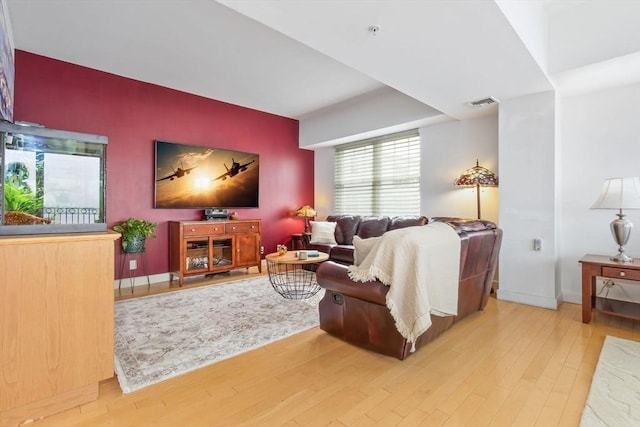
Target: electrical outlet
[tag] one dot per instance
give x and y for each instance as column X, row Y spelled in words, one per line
column 133, row 264
column 261, row 250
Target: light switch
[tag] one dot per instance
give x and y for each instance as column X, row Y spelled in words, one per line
column 537, row 244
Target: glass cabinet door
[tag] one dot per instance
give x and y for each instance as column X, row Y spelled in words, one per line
column 222, row 252
column 197, row 255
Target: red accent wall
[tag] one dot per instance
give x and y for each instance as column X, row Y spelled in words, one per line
column 132, row 114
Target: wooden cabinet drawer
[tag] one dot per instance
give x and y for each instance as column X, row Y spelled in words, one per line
column 621, row 273
column 243, row 227
column 203, row 229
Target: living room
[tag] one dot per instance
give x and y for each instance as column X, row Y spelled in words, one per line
column 552, row 146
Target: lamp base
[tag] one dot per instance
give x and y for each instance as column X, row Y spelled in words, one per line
column 621, row 230
column 621, row 257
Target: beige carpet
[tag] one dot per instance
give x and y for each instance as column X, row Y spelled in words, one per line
column 614, row 397
column 162, row 336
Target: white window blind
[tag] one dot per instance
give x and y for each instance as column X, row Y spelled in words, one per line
column 379, row 176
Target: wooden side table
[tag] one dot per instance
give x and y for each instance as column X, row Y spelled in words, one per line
column 300, row 241
column 594, row 266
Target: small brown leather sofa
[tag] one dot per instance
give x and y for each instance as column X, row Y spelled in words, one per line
column 364, row 227
column 357, row 313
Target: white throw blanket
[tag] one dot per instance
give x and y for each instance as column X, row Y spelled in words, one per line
column 421, row 266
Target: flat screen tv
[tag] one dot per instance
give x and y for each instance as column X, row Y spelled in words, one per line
column 198, row 177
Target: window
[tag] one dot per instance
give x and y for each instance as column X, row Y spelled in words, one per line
column 379, row 176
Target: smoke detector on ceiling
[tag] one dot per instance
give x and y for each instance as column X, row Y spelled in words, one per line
column 483, row 102
column 374, row 29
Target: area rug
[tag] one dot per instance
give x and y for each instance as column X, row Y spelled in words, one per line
column 614, row 397
column 161, row 336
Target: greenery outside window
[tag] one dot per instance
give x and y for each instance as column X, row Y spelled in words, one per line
column 379, row 176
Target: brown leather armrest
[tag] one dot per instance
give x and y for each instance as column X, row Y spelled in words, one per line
column 334, row 277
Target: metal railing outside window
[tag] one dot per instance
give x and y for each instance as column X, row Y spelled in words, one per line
column 72, row 215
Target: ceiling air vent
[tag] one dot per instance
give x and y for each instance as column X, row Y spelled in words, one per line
column 483, row 102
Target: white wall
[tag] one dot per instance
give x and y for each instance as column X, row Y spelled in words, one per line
column 527, row 155
column 380, row 112
column 448, row 149
column 600, row 138
column 324, row 182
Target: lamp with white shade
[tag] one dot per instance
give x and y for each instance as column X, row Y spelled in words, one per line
column 619, row 194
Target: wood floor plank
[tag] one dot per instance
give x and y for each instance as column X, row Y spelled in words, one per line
column 492, row 403
column 285, row 409
column 437, row 418
column 359, row 410
column 463, row 415
column 337, row 403
column 513, row 404
column 414, row 418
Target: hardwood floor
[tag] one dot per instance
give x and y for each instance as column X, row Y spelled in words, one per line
column 509, row 365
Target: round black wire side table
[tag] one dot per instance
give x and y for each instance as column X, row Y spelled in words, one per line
column 294, row 278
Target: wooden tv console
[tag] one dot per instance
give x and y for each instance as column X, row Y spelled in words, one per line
column 209, row 247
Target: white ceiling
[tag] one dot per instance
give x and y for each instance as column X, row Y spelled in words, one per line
column 196, row 46
column 296, row 57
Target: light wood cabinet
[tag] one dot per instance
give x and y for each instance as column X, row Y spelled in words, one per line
column 56, row 322
column 209, row 247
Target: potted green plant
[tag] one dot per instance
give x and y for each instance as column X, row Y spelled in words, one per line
column 134, row 234
column 21, row 199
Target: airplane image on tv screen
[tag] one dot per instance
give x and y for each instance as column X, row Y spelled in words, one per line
column 194, row 177
column 177, row 173
column 234, row 170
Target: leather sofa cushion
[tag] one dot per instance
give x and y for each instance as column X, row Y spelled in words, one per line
column 407, row 221
column 346, row 227
column 373, row 226
column 342, row 254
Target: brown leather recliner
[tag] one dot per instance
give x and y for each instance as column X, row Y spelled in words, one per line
column 357, row 313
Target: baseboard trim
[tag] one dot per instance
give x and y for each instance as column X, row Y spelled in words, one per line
column 528, row 299
column 141, row 280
